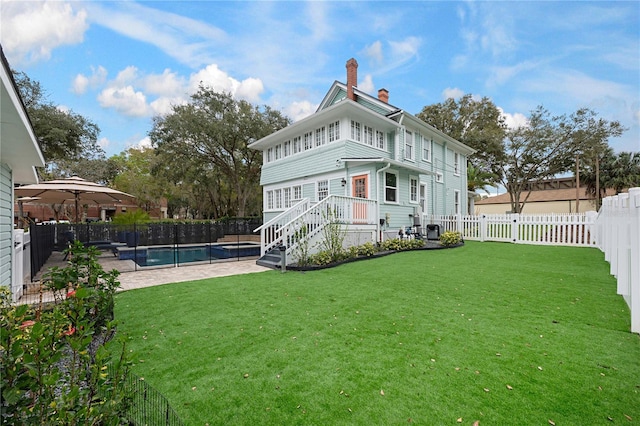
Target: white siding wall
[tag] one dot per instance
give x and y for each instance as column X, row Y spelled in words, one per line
column 6, row 224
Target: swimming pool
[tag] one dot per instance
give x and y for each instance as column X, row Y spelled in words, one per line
column 167, row 255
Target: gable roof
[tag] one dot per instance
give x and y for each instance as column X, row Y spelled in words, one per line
column 19, row 147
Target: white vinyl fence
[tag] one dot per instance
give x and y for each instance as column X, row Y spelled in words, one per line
column 618, row 235
column 544, row 229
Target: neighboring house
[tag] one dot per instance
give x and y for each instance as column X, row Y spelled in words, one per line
column 19, row 154
column 549, row 196
column 379, row 168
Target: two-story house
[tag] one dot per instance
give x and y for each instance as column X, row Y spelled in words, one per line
column 363, row 162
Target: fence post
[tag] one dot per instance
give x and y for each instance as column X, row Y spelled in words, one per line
column 634, row 251
column 622, row 248
column 515, row 219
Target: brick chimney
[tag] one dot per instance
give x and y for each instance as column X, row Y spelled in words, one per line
column 352, row 78
column 383, row 95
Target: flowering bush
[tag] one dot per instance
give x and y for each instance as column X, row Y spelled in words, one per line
column 53, row 359
column 450, row 238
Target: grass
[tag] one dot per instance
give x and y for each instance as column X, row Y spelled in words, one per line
column 501, row 333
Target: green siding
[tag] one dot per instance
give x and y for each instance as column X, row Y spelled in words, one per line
column 6, row 225
column 310, row 163
column 373, row 107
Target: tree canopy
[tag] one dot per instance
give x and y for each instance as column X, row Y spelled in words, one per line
column 63, row 135
column 478, row 123
column 205, row 147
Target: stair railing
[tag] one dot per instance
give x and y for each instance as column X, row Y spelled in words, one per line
column 270, row 231
column 335, row 208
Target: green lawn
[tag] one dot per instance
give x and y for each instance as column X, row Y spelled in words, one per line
column 501, row 333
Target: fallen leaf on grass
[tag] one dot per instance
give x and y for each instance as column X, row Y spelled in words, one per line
column 459, row 420
column 628, row 417
column 246, row 375
column 193, row 388
column 486, row 389
column 509, row 387
column 552, row 423
column 476, row 423
column 381, row 392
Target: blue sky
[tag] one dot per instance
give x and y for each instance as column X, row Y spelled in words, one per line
column 119, row 63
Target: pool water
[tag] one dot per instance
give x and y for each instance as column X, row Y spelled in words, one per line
column 169, row 256
column 158, row 256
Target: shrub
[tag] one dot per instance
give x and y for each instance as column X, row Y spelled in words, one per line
column 367, row 249
column 54, row 366
column 450, row 238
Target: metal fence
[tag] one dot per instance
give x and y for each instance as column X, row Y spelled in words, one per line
column 147, row 406
column 43, row 242
column 167, row 244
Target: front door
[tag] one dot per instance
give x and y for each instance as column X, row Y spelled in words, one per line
column 360, row 189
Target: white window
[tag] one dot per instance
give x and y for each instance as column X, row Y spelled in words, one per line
column 286, row 195
column 439, row 177
column 426, row 149
column 286, row 148
column 308, row 141
column 323, row 189
column 355, row 131
column 269, row 200
column 413, row 189
column 408, row 145
column 277, row 197
column 456, row 201
column 269, row 155
column 297, row 193
column 277, row 152
column 390, row 187
column 456, row 164
column 368, row 135
column 334, row 131
column 320, row 136
column 379, row 139
column 297, row 144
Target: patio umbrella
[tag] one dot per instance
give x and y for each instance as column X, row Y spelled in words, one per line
column 74, row 188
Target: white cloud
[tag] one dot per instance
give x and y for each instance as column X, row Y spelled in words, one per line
column 211, row 76
column 104, row 143
column 164, row 105
column 81, row 83
column 406, row 48
column 367, row 84
column 125, row 100
column 299, row 110
column 452, row 93
column 374, row 51
column 144, row 143
column 31, row 30
column 187, row 40
column 166, row 84
column 515, row 120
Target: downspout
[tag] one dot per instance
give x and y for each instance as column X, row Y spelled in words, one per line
column 378, row 238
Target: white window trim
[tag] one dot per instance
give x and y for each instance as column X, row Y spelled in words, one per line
column 429, row 143
column 412, row 145
column 456, row 207
column 417, row 180
column 393, row 172
column 439, row 177
column 318, row 189
column 456, row 164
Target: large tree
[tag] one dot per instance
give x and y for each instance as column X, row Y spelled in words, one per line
column 617, row 171
column 133, row 175
column 541, row 149
column 477, row 123
column 62, row 134
column 216, row 129
column 591, row 135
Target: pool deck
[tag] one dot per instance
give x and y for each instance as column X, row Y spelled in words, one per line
column 130, row 279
